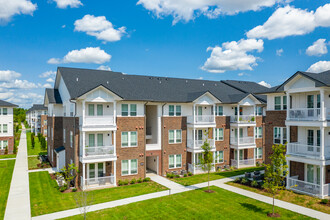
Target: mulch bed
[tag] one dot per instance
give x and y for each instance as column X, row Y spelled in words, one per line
column 275, row 215
column 209, row 191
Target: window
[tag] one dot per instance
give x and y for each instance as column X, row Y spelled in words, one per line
column 280, row 136
column 310, row 101
column 129, row 167
column 4, row 128
column 124, row 109
column 219, row 110
column 218, row 156
column 278, row 103
column 91, row 110
column 240, row 111
column 318, row 101
column 258, row 132
column 174, row 136
column 258, row 153
column 259, row 110
column 64, row 134
column 99, row 110
column 91, row 140
column 99, row 140
column 129, row 139
column 71, row 138
column 133, row 109
column 175, row 161
column 284, row 103
column 4, row 111
column 219, row 134
column 177, row 109
column 3, row 145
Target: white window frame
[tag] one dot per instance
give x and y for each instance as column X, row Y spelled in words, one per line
column 216, row 156
column 175, row 139
column 258, row 132
column 175, row 165
column 175, row 110
column 280, row 97
column 3, row 130
column 129, row 167
column 217, row 110
column 129, row 110
column 281, row 134
column 129, row 139
column 257, row 154
column 217, row 130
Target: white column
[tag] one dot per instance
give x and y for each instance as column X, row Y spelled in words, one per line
column 194, row 112
column 83, row 143
column 214, row 108
column 84, row 112
column 114, row 142
column 323, row 110
column 322, row 180
column 194, row 137
column 288, row 106
column 84, row 174
column 238, row 135
column 322, row 143
column 237, row 157
column 193, row 160
column 114, row 112
column 288, row 134
column 114, row 173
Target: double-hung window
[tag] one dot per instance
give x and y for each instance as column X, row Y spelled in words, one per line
column 219, row 134
column 258, row 132
column 3, row 145
column 4, row 128
column 175, row 161
column 174, row 110
column 284, row 103
column 99, row 110
column 129, row 167
column 218, row 156
column 91, row 140
column 258, row 153
column 133, row 110
column 277, row 102
column 124, row 109
column 129, row 139
column 259, row 110
column 91, row 110
column 4, row 111
column 128, row 110
column 280, row 136
column 219, row 110
column 174, row 136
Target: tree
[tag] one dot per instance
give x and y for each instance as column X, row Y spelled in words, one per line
column 69, row 173
column 84, row 200
column 275, row 172
column 206, row 159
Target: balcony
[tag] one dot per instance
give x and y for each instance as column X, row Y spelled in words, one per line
column 201, row 119
column 242, row 141
column 243, row 163
column 196, row 144
column 97, row 182
column 99, row 153
column 310, row 151
column 197, row 168
column 304, row 114
column 98, row 121
column 243, row 119
column 307, row 188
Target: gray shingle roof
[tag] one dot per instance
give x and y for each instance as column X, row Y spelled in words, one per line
column 37, row 107
column 7, row 104
column 147, row 88
column 53, row 96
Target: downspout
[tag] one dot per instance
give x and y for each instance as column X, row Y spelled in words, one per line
column 162, row 136
column 76, row 159
column 145, row 139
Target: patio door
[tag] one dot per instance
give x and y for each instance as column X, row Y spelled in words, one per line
column 240, row 152
column 312, row 173
column 310, row 105
column 95, row 171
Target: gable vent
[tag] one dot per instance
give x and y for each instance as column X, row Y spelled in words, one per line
column 203, row 84
column 186, row 81
column 77, row 79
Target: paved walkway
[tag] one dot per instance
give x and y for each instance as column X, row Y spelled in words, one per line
column 8, row 159
column 18, row 204
column 50, row 170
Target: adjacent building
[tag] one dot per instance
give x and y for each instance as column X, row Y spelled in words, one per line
column 7, row 127
column 36, row 117
column 116, row 126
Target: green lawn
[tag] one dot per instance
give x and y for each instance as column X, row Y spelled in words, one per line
column 200, row 178
column 195, row 204
column 7, row 156
column 37, row 150
column 45, row 198
column 6, row 172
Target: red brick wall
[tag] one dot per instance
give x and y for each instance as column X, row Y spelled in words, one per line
column 43, row 126
column 172, row 123
column 125, row 153
column 10, row 144
column 71, row 124
column 223, row 122
column 297, row 169
column 57, row 124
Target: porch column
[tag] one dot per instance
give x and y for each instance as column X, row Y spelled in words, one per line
column 323, row 110
column 288, row 135
column 114, row 142
column 84, row 174
column 237, row 157
column 193, row 162
column 83, row 112
column 214, row 108
column 238, row 134
column 114, row 173
column 288, row 106
column 322, row 147
column 83, row 143
column 194, row 112
column 114, row 112
column 322, row 180
column 194, row 137
column 254, row 156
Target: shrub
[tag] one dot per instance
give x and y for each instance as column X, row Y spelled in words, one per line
column 15, row 149
column 125, row 182
column 62, row 188
column 252, row 119
column 74, row 190
column 185, row 175
column 139, row 180
column 324, row 201
column 244, row 181
column 177, row 176
column 261, row 185
column 254, row 184
column 190, row 174
column 6, row 150
column 146, row 179
column 133, row 181
column 237, row 180
column 168, row 175
column 120, row 183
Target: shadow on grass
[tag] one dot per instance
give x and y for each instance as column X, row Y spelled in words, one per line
column 253, row 208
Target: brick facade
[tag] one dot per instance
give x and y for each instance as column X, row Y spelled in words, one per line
column 10, row 144
column 71, row 124
column 297, row 169
column 43, row 125
column 54, row 137
column 223, row 122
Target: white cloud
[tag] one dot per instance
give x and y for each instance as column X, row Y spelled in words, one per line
column 9, row 8
column 189, row 9
column 51, row 80
column 87, row 55
column 24, row 100
column 233, row 56
column 47, row 85
column 99, row 27
column 19, row 84
column 263, row 83
column 8, row 75
column 290, row 21
column 318, row 48
column 68, row 3
column 6, row 95
column 279, row 52
column 319, row 67
column 103, row 67
column 47, row 74
column 243, row 74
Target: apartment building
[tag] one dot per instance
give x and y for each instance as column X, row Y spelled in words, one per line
column 298, row 114
column 36, row 117
column 117, row 126
column 7, row 127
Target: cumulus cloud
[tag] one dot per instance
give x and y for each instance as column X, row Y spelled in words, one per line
column 263, row 83
column 279, row 52
column 24, row 100
column 189, row 9
column 47, row 74
column 233, row 56
column 290, row 21
column 99, row 27
column 86, row 55
column 318, row 48
column 103, row 67
column 9, row 8
column 8, row 75
column 320, row 66
column 47, row 85
column 19, row 84
column 50, row 80
column 68, row 3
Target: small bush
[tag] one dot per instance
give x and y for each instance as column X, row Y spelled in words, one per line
column 139, row 180
column 185, row 175
column 120, row 183
column 254, row 184
column 261, row 185
column 125, row 182
column 177, row 176
column 237, row 180
column 133, row 181
column 6, row 150
column 190, row 174
column 146, row 179
column 245, row 181
column 324, row 201
column 62, row 188
column 168, row 175
column 74, row 190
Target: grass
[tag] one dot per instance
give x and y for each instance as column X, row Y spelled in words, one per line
column 5, row 156
column 45, row 197
column 197, row 204
column 289, row 196
column 6, row 172
column 37, row 148
column 200, row 178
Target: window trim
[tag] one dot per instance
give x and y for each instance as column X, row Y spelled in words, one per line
column 216, row 137
column 257, row 132
column 175, row 111
column 129, row 167
column 174, row 136
column 281, row 133
column 256, row 153
column 215, row 157
column 217, row 108
column 129, row 111
column 175, row 165
column 280, row 104
column 129, row 139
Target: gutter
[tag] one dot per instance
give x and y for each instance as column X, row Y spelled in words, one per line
column 162, row 135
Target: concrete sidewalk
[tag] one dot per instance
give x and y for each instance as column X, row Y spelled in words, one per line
column 49, row 170
column 18, row 204
column 8, row 159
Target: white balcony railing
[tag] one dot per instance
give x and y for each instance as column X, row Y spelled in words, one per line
column 243, row 163
column 198, row 143
column 242, row 140
column 105, row 120
column 303, row 187
column 99, row 151
column 98, row 182
column 197, row 168
column 244, row 119
column 200, row 119
column 305, row 150
column 305, row 114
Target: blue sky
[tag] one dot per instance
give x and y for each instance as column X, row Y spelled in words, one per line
column 160, row 37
